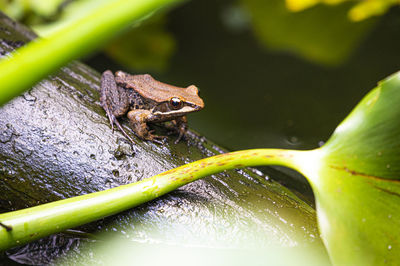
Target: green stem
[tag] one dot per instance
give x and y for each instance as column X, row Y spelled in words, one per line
column 36, row 222
column 39, row 58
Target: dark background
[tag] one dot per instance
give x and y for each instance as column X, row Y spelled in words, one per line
column 259, row 97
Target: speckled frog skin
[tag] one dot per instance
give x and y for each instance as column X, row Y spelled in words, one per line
column 143, row 99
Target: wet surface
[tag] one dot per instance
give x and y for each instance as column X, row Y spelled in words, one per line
column 56, row 142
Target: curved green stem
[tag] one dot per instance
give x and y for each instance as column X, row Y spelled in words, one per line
column 36, row 222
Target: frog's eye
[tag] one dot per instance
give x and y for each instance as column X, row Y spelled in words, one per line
column 175, row 103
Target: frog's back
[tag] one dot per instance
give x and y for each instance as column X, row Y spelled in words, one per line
column 136, row 101
column 149, row 88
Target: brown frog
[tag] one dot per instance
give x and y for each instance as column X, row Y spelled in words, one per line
column 144, row 99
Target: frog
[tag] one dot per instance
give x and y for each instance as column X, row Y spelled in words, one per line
column 143, row 99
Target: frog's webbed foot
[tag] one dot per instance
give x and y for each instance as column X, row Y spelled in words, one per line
column 180, row 126
column 155, row 138
column 182, row 133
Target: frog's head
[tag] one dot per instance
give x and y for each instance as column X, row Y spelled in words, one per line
column 181, row 102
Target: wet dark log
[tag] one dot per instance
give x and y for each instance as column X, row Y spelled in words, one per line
column 56, row 142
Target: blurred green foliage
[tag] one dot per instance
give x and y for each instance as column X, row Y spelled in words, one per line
column 322, row 34
column 32, row 11
column 147, row 47
column 360, row 11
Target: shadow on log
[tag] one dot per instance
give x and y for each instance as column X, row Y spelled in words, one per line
column 56, row 142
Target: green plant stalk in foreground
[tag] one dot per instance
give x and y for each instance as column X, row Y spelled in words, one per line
column 40, row 58
column 36, row 222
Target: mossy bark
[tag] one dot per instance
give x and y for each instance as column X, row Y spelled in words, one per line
column 56, row 142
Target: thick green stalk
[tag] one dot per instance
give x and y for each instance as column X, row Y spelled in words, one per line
column 38, row 59
column 36, row 222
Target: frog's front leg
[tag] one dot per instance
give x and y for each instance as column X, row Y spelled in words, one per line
column 138, row 120
column 178, row 125
column 114, row 100
column 181, row 127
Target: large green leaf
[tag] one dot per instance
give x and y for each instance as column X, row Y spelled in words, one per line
column 356, row 180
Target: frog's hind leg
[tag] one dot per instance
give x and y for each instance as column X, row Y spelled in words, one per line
column 114, row 101
column 123, row 131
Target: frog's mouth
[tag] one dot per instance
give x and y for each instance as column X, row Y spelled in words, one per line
column 165, row 110
column 184, row 110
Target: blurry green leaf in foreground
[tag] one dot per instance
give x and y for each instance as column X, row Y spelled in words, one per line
column 47, row 17
column 361, row 9
column 75, row 39
column 322, row 34
column 356, row 180
column 71, row 12
column 120, row 251
column 148, row 47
